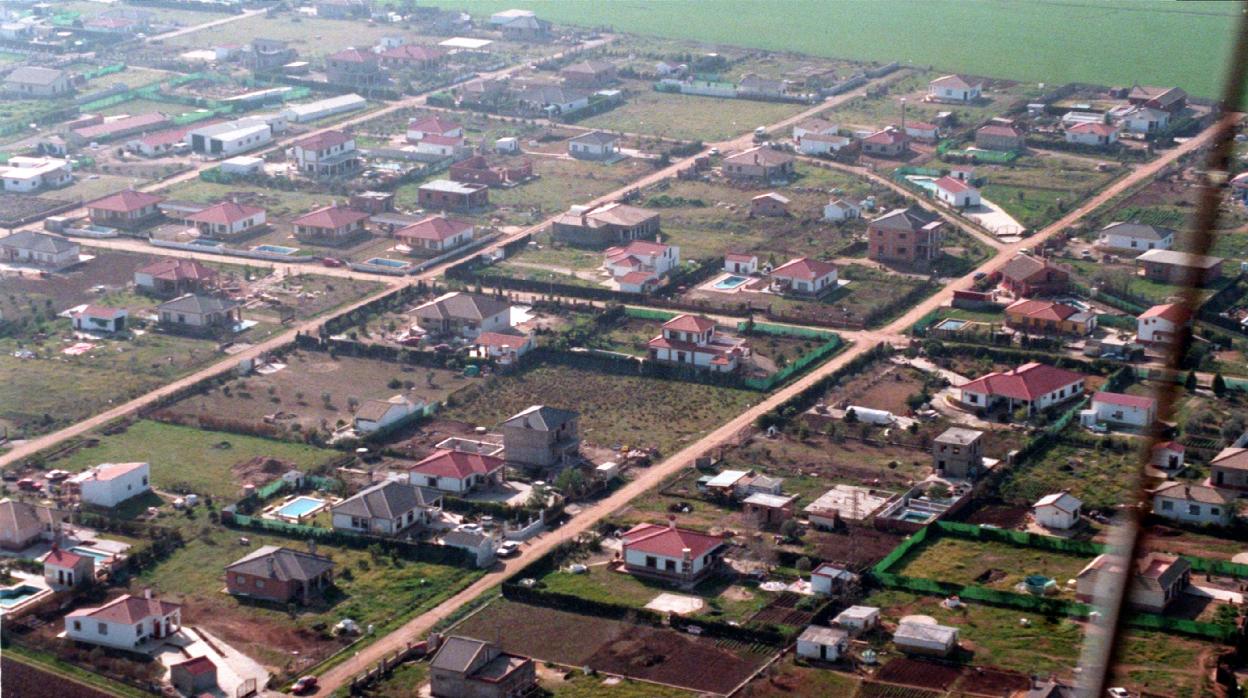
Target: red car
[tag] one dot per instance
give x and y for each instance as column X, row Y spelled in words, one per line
column 304, row 686
column 331, row 262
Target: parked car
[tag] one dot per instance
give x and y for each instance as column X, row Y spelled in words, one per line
column 304, row 686
column 27, row 484
column 470, row 528
column 508, row 548
column 330, row 262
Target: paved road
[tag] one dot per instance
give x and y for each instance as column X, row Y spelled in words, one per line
column 648, row 478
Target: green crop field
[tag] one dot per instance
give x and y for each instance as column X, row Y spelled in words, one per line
column 1093, row 41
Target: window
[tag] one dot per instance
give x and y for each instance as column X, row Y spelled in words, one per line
column 1193, row 509
column 651, row 561
column 1167, row 505
column 101, row 628
column 240, row 579
column 78, row 625
column 259, row 583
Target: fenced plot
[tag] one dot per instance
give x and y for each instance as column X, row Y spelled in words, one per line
column 920, row 673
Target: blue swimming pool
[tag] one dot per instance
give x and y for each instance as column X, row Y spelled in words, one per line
column 928, row 183
column 951, row 324
column 100, row 556
column 383, row 262
column 275, row 249
column 730, row 282
column 300, row 507
column 13, row 596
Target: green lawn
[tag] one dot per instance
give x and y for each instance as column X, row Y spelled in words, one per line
column 193, row 458
column 960, row 561
column 1100, row 478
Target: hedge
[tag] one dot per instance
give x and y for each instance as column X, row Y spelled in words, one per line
column 419, row 551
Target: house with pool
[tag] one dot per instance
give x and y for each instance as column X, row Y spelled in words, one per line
column 387, row 509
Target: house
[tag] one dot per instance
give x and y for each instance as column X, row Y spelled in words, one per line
column 228, row 220
column 589, row 74
column 606, row 224
column 230, row 138
column 168, row 142
column 281, row 575
column 198, row 313
column 469, row 668
column 173, row 276
column 958, row 452
column 411, row 56
column 419, row 129
column 109, row 484
column 64, row 568
column 691, row 340
column 595, row 145
column 550, row 100
column 1094, row 134
column 326, row 154
column 25, row 174
column 457, row 472
column 268, row 54
column 355, row 68
column 655, row 259
column 479, row 170
column 40, row 249
column 857, row 619
column 846, row 503
column 99, row 318
column 1135, row 236
column 1168, row 99
column 526, row 29
column 1143, row 120
column 1230, row 468
column 445, row 194
column 824, row 644
column 1195, row 504
column 768, row 510
column 1026, row 276
column 1157, row 579
column 330, row 225
column 465, row 315
column 1059, row 511
column 828, row 579
column 814, row 127
column 1048, row 317
column 805, row 276
column 841, row 210
column 504, row 347
column 770, row 204
column 1168, row 455
column 375, row 415
column 372, row 202
column 36, row 82
column 1032, row 386
column 127, row 210
column 22, row 523
column 482, row 546
column 124, row 623
column 954, row 88
column 541, row 436
column 889, row 142
column 1004, row 137
column 739, row 263
column 1120, row 409
column 443, row 146
column 759, row 164
column 922, row 131
column 755, row 85
column 194, row 677
column 671, row 554
column 930, row 639
column 1050, row 687
column 1180, row 268
column 1163, row 324
column 955, row 192
column 820, row 144
column 436, row 233
column 386, row 509
column 911, row 236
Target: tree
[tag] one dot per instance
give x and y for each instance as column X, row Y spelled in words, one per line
column 1190, row 382
column 803, row 564
column 1219, row 385
column 851, row 416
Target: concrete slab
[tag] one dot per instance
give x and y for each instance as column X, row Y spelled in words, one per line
column 675, row 603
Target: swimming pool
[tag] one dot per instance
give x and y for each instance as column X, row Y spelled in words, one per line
column 391, row 263
column 952, row 324
column 200, row 242
column 101, row 557
column 300, row 507
column 275, row 249
column 928, row 183
column 15, row 595
column 730, row 282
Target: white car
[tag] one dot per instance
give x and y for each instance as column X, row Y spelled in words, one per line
column 470, row 528
column 508, row 548
column 1119, row 692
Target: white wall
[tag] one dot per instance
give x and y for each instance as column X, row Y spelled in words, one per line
column 110, row 493
column 1181, row 510
column 1053, row 517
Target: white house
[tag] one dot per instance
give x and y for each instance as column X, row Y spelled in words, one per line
column 670, row 553
column 1145, row 120
column 503, row 347
column 740, row 263
column 595, row 145
column 1194, row 504
column 98, row 318
column 441, row 146
column 227, row 219
column 956, row 193
column 1059, row 511
column 482, row 546
column 1168, row 455
column 37, row 82
column 1033, row 386
column 386, row 509
column 931, row 639
column 691, row 340
column 110, row 484
column 1162, row 324
column 64, row 568
column 374, row 415
column 814, row 127
column 419, row 129
column 825, row 644
column 857, row 619
column 819, row 144
column 1092, row 134
column 457, row 472
column 841, row 210
column 326, row 154
column 829, row 579
column 640, row 263
column 922, row 131
column 40, row 249
column 1136, row 411
column 436, row 233
column 1135, row 236
column 805, row 276
column 954, row 88
column 125, row 622
column 26, row 174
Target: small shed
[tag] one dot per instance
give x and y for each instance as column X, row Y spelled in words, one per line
column 1060, row 510
column 857, row 619
column 931, row 639
column 194, row 676
column 830, row 579
column 825, row 644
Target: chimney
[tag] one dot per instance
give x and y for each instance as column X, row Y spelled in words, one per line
column 147, row 593
column 671, row 521
column 686, row 554
column 312, row 546
column 272, row 566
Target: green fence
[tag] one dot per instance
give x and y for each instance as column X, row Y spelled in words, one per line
column 649, row 314
column 104, row 70
column 788, row 330
column 285, row 527
column 820, row 353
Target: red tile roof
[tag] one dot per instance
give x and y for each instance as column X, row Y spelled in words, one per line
column 414, row 52
column 171, row 269
column 62, row 558
column 225, row 213
column 433, row 228
column 637, row 247
column 332, row 217
column 1170, row 446
column 501, row 339
column 888, row 136
column 950, row 184
column 197, row 666
column 322, row 141
column 637, row 277
column 457, row 464
column 669, row 541
column 804, row 268
column 354, row 55
column 126, row 201
column 432, row 124
column 1094, row 127
column 1137, row 401
column 128, row 609
column 99, row 311
column 740, row 257
column 1174, row 312
column 1044, row 310
column 1027, row 382
column 689, row 323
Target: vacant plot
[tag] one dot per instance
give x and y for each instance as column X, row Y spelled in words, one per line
column 687, row 117
column 986, row 563
column 1038, row 190
column 883, row 106
column 191, row 459
column 1166, row 664
column 1101, row 478
column 616, row 410
column 617, row 647
column 560, row 184
column 789, row 679
column 278, row 204
column 919, row 673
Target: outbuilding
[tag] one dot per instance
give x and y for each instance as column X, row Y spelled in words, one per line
column 822, row 643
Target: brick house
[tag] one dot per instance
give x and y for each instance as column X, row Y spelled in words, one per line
column 910, row 235
column 445, row 194
column 330, row 225
column 607, row 224
column 468, row 668
column 759, row 164
column 1026, row 276
column 280, row 574
column 127, row 210
column 1180, row 268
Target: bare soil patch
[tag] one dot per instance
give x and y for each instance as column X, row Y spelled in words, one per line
column 920, row 673
column 993, row 682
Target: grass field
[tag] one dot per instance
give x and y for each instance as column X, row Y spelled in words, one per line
column 561, row 184
column 961, row 561
column 1100, row 479
column 182, row 456
column 1076, row 41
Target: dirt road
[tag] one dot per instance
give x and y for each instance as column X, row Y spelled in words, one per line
column 206, row 25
